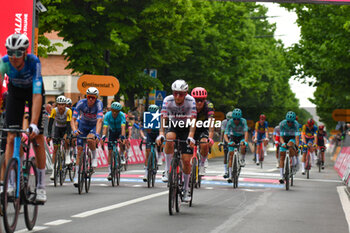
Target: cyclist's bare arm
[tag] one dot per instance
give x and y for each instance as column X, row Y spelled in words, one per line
column 36, row 108
column 99, row 126
column 192, row 129
column 73, row 124
column 226, row 138
column 211, row 128
column 246, row 136
column 123, row 130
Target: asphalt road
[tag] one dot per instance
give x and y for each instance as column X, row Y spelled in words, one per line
column 260, row 204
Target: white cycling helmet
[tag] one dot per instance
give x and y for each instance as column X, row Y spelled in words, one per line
column 179, row 85
column 17, row 41
column 68, row 101
column 61, row 99
column 92, row 91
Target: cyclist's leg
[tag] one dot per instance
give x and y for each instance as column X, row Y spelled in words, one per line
column 225, row 159
column 303, row 159
column 92, row 146
column 187, row 153
column 230, row 157
column 243, row 150
column 168, row 152
column 204, row 150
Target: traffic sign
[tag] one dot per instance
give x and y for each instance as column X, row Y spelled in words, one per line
column 160, row 95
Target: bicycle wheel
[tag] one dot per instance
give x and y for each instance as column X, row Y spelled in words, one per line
column 235, row 171
column 71, row 171
column 154, row 170
column 319, row 161
column 261, row 156
column 118, row 167
column 179, row 186
column 126, row 161
column 56, row 167
column 286, row 172
column 149, row 169
column 112, row 166
column 172, row 188
column 308, row 164
column 31, row 182
column 81, row 173
column 88, row 172
column 11, row 203
column 62, row 167
column 291, row 175
column 193, row 178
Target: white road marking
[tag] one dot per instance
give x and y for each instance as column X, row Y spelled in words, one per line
column 35, row 229
column 119, row 205
column 345, row 202
column 57, row 222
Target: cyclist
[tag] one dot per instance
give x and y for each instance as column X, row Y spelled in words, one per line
column 178, row 109
column 276, row 139
column 69, row 103
column 90, row 111
column 289, row 136
column 150, row 137
column 261, row 135
column 320, row 142
column 25, row 84
column 205, row 112
column 223, row 127
column 308, row 135
column 114, row 120
column 62, row 116
column 236, row 132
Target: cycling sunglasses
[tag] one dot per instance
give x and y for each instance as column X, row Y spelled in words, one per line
column 175, row 93
column 289, row 122
column 200, row 100
column 16, row 53
column 235, row 119
column 91, row 97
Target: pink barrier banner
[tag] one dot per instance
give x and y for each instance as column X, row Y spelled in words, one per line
column 340, row 158
column 16, row 16
column 344, row 165
column 135, row 155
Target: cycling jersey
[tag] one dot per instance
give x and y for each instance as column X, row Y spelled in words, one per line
column 321, row 137
column 181, row 112
column 88, row 115
column 261, row 128
column 289, row 131
column 223, row 125
column 276, row 131
column 206, row 112
column 61, row 119
column 28, row 77
column 236, row 130
column 309, row 133
column 115, row 124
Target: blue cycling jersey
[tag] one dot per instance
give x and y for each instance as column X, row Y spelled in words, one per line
column 28, row 76
column 289, row 131
column 115, row 124
column 88, row 116
column 236, row 130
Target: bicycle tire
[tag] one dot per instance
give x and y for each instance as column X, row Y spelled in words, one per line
column 308, row 165
column 179, row 185
column 56, row 169
column 30, row 209
column 286, row 172
column 172, row 188
column 154, row 170
column 62, row 167
column 126, row 161
column 112, row 166
column 193, row 178
column 81, row 173
column 88, row 172
column 71, row 171
column 10, row 224
column 235, row 172
column 149, row 169
column 118, row 167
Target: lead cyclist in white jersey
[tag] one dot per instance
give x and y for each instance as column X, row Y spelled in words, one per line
column 177, row 110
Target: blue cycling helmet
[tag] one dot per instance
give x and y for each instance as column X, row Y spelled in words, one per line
column 290, row 116
column 237, row 113
column 153, row 108
column 116, row 106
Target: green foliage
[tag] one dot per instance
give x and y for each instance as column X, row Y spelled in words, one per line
column 323, row 53
column 226, row 47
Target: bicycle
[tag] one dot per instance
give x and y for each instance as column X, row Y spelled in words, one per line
column 236, row 165
column 23, row 180
column 289, row 170
column 320, row 157
column 175, row 181
column 115, row 164
column 308, row 162
column 152, row 164
column 71, row 166
column 260, row 152
column 85, row 169
column 60, row 168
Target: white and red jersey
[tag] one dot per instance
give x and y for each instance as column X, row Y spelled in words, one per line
column 181, row 112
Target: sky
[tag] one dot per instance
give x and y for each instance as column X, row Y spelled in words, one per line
column 288, row 31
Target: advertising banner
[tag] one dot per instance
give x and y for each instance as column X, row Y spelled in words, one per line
column 16, row 17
